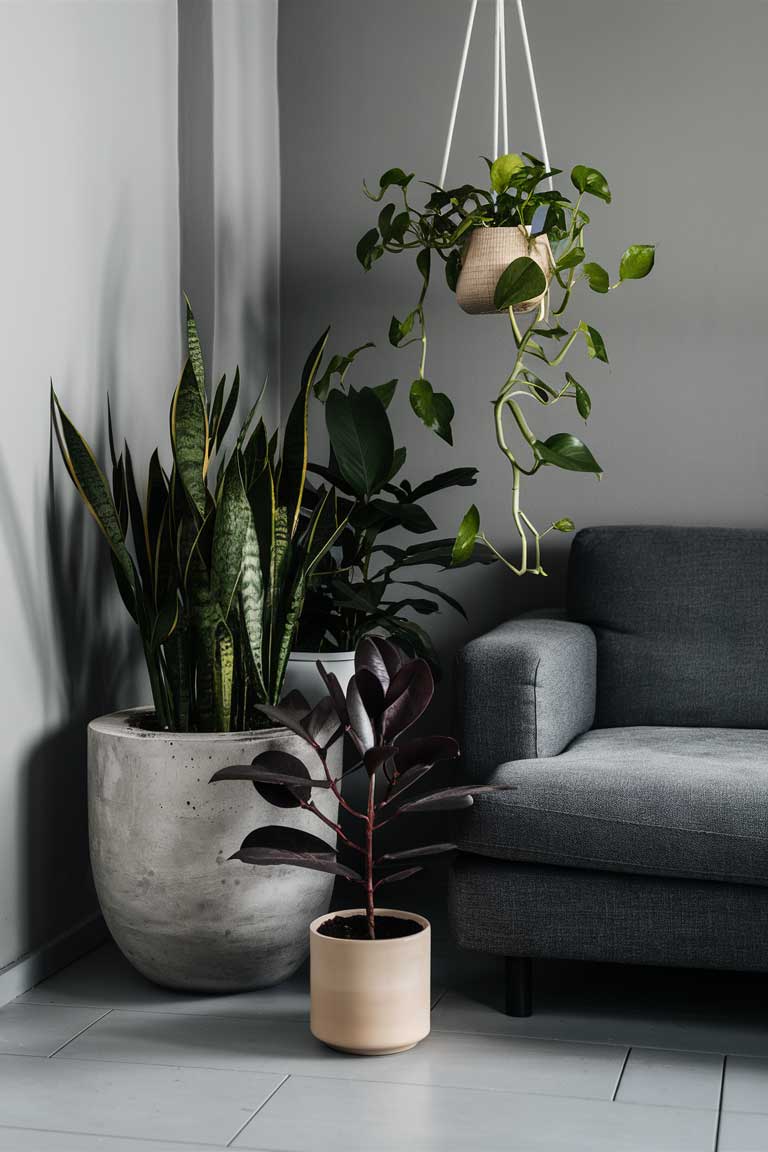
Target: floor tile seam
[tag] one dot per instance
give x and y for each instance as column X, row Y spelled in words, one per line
column 263, row 1104
column 620, row 1076
column 167, row 1012
column 78, row 1034
column 137, row 1140
column 600, row 1043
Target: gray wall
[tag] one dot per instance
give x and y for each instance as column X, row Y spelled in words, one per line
column 89, row 296
column 669, row 100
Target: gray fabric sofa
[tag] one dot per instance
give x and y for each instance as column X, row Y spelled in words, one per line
column 635, row 727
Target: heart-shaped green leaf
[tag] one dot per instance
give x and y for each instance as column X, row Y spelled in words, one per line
column 590, row 180
column 597, row 277
column 566, row 451
column 503, row 169
column 594, row 341
column 433, row 408
column 521, row 280
column 637, row 261
column 466, row 536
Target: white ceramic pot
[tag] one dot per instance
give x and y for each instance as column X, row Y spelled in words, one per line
column 302, row 673
column 370, row 997
column 160, row 834
column 487, row 253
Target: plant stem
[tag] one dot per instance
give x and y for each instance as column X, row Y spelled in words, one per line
column 369, row 889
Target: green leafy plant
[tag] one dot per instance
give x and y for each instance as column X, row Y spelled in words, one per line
column 367, row 583
column 516, row 198
column 218, row 569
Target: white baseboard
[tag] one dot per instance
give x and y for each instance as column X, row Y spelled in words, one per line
column 24, row 973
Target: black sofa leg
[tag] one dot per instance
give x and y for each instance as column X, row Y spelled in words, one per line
column 519, row 986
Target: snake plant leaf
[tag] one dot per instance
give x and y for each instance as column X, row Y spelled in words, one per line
column 164, row 561
column 361, row 437
column 194, row 350
column 293, row 463
column 214, row 412
column 138, row 527
column 155, row 504
column 165, row 621
column 223, row 672
column 178, row 671
column 637, row 261
column 92, row 485
column 228, row 411
column 466, row 536
column 189, row 437
column 589, row 180
column 252, row 600
column 521, row 280
column 441, row 595
column 286, row 633
column 232, row 520
column 566, row 451
column 261, row 497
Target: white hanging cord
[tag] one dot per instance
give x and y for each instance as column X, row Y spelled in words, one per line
column 496, row 66
column 457, row 93
column 503, row 57
column 534, row 90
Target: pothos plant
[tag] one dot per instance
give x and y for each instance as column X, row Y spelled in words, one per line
column 385, row 697
column 213, row 563
column 366, row 582
column 516, row 197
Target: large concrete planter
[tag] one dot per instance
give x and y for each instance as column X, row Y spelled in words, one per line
column 160, row 835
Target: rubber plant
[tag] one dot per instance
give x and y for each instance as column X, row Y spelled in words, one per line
column 213, row 563
column 515, row 198
column 385, row 697
column 366, row 582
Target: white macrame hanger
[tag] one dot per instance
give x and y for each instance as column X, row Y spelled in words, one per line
column 499, row 85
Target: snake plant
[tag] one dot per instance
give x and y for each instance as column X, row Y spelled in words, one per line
column 220, row 549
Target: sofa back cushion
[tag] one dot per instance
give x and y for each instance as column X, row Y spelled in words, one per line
column 681, row 621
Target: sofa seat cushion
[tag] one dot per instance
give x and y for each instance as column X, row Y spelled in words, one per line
column 665, row 801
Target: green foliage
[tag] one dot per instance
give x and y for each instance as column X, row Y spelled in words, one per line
column 217, row 573
column 517, row 197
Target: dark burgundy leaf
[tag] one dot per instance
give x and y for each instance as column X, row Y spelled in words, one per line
column 359, row 719
column 371, row 693
column 412, row 853
column 286, row 718
column 379, row 657
column 375, row 757
column 446, row 798
column 425, row 750
column 275, row 844
column 322, row 723
column 335, row 691
column 402, row 875
column 408, row 695
column 280, row 778
column 295, row 701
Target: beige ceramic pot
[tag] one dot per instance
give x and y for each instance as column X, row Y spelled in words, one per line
column 487, row 253
column 370, row 997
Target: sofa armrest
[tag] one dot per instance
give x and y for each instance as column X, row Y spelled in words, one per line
column 526, row 690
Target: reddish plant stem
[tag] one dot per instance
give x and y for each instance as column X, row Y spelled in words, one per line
column 321, row 752
column 369, row 887
column 310, row 807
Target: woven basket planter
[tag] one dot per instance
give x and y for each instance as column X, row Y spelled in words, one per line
column 487, row 253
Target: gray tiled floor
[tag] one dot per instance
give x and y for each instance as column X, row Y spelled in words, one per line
column 621, row 1060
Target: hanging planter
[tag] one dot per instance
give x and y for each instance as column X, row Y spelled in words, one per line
column 487, row 255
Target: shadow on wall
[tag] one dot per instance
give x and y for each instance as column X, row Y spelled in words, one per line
column 87, row 658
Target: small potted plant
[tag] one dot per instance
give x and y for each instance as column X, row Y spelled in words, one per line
column 359, row 956
column 213, row 570
column 515, row 246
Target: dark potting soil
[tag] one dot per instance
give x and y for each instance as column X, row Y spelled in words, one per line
column 356, row 928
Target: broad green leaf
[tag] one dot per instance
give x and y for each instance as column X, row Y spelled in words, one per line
column 452, row 269
column 571, row 259
column 503, row 169
column 564, row 525
column 436, row 592
column 590, row 180
column 293, row 463
column 521, row 280
column 597, row 277
column 385, row 392
column 189, row 437
column 233, row 516
column 368, row 248
column 433, row 408
column 583, row 402
column 424, row 263
column 466, row 536
column 637, row 261
column 566, row 451
column 361, row 438
column 194, row 350
column 453, row 478
column 594, row 341
column 399, row 329
column 398, row 460
column 385, row 220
